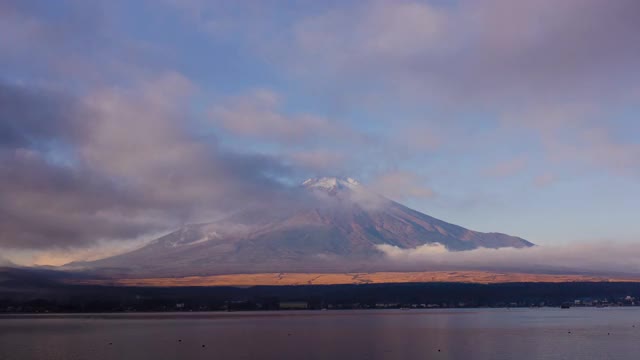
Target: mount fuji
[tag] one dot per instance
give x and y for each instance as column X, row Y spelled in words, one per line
column 329, row 224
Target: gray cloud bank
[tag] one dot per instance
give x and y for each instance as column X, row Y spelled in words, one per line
column 486, row 50
column 115, row 164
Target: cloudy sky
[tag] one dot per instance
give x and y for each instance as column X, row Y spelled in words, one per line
column 121, row 120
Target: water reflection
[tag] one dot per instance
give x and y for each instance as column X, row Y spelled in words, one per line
column 376, row 334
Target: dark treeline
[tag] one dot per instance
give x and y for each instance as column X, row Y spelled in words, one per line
column 80, row 298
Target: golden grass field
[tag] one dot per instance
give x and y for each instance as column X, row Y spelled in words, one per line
column 479, row 277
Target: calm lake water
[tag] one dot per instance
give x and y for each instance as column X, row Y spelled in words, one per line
column 588, row 333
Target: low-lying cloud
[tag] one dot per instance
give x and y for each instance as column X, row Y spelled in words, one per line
column 589, row 258
column 5, row 262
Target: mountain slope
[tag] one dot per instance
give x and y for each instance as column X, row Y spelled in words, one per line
column 334, row 224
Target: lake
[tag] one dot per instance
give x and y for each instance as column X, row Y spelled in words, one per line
column 546, row 333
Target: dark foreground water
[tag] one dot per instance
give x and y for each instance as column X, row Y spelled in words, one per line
column 588, row 333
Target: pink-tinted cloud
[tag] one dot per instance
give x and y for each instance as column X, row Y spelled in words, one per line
column 544, row 180
column 401, row 185
column 259, row 115
column 319, row 161
column 507, row 168
column 75, row 46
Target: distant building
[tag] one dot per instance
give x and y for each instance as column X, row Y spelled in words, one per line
column 293, row 305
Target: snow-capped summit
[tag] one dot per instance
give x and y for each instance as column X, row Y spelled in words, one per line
column 331, row 184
